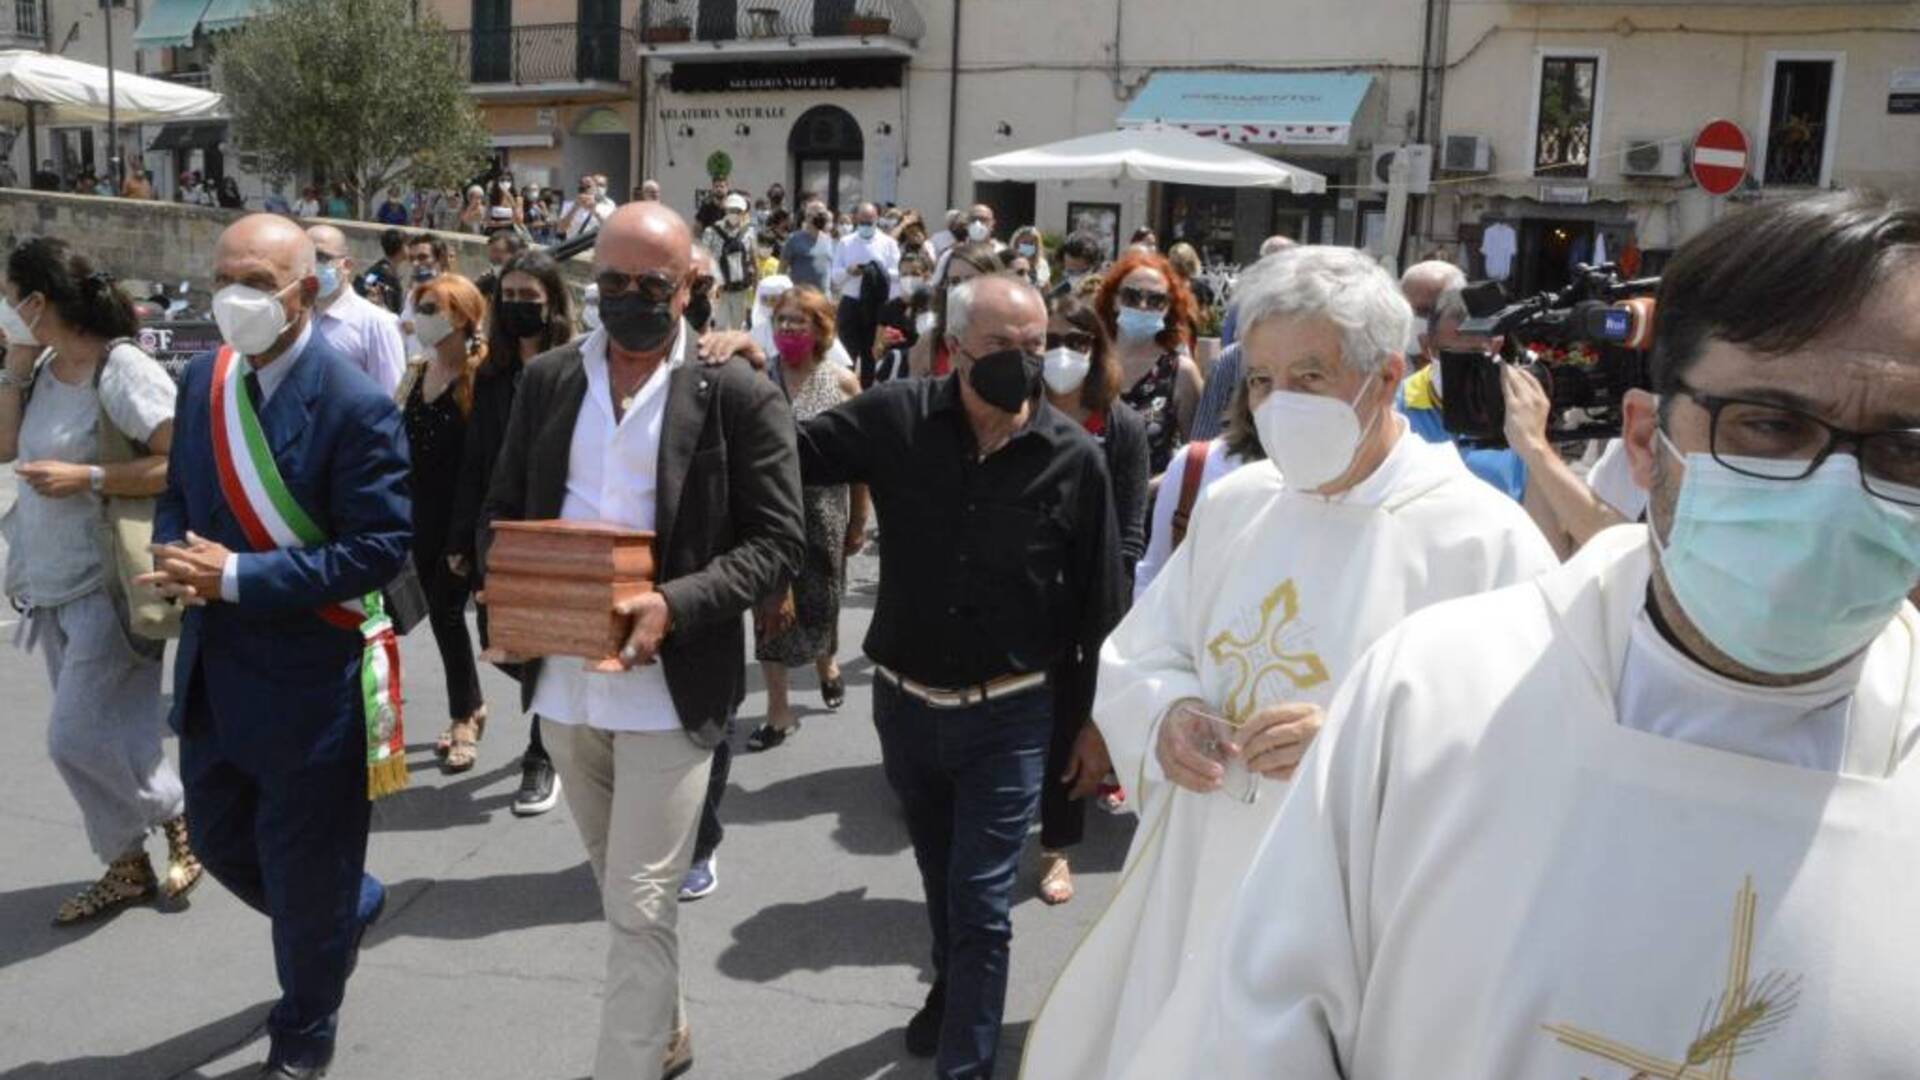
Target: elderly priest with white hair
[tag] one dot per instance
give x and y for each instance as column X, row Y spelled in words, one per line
column 1654, row 814
column 1213, row 687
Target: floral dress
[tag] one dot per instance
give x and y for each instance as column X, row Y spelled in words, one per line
column 1152, row 398
column 822, row 579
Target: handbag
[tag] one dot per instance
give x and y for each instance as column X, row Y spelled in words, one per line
column 129, row 523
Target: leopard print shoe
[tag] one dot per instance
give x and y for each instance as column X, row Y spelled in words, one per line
column 129, row 880
column 183, row 866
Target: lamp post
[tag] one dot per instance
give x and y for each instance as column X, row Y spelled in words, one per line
column 113, row 110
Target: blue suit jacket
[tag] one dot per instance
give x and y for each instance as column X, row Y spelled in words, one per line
column 278, row 686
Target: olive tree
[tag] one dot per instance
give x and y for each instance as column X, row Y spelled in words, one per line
column 356, row 91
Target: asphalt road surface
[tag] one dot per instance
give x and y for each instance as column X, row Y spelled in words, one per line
column 805, row 965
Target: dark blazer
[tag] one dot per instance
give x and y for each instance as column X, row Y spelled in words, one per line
column 729, row 527
column 1125, row 445
column 281, row 686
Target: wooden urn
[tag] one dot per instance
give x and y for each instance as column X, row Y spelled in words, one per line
column 552, row 586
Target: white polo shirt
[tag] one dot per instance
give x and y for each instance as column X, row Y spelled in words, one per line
column 612, row 477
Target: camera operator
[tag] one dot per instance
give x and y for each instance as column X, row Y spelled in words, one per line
column 1576, row 507
column 1545, row 806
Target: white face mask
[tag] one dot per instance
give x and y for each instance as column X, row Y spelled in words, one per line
column 18, row 330
column 432, row 329
column 910, row 285
column 923, row 323
column 978, row 231
column 1065, row 369
column 1311, row 438
column 250, row 320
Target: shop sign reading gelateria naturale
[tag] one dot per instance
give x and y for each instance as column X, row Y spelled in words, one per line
column 781, row 75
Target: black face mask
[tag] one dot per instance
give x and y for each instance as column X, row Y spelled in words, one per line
column 959, row 231
column 522, row 318
column 700, row 313
column 1004, row 379
column 635, row 323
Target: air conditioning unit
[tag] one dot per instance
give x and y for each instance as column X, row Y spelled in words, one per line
column 1652, row 157
column 1467, row 154
column 1419, row 167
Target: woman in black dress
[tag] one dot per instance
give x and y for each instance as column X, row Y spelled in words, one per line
column 436, row 400
column 1148, row 313
column 1082, row 378
column 530, row 313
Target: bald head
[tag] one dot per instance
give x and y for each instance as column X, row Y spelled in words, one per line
column 1423, row 283
column 330, row 249
column 995, row 312
column 1274, row 245
column 643, row 238
column 269, row 253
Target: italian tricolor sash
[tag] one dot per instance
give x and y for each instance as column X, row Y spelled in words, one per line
column 271, row 519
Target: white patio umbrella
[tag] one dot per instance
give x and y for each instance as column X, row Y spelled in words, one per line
column 1165, row 154
column 68, row 91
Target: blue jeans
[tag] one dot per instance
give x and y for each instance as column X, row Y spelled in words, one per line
column 969, row 780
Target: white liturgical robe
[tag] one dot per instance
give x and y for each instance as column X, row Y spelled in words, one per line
column 1273, row 598
column 1486, row 871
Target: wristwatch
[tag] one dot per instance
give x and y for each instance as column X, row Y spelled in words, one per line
column 96, row 478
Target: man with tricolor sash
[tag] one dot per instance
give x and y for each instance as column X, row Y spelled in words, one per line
column 285, row 512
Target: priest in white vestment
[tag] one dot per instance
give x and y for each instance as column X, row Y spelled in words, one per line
column 1291, row 569
column 1656, row 814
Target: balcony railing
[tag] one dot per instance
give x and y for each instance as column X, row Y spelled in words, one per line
column 199, row 80
column 675, row 21
column 551, row 53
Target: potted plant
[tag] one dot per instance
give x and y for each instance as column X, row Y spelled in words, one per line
column 671, row 29
column 868, row 23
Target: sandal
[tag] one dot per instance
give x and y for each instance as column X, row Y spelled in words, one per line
column 183, row 866
column 766, row 737
column 443, row 743
column 462, row 752
column 834, row 691
column 128, row 881
column 1056, row 878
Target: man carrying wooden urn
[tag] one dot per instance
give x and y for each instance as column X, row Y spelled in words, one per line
column 626, row 427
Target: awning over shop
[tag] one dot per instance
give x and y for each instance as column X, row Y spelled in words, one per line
column 1285, row 108
column 229, row 14
column 1167, row 155
column 190, row 136
column 169, row 23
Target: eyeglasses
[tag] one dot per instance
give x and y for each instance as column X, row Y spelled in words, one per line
column 1144, row 299
column 1774, row 442
column 653, row 286
column 1077, row 340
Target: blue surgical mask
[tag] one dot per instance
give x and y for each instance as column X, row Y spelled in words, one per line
column 1787, row 576
column 866, row 231
column 1136, row 325
column 329, row 276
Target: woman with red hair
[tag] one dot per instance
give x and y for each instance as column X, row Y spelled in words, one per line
column 1149, row 311
column 436, row 400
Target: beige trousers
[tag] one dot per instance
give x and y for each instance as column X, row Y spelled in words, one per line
column 636, row 798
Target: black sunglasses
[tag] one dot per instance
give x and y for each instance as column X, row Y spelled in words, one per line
column 1077, row 340
column 1144, row 299
column 653, row 286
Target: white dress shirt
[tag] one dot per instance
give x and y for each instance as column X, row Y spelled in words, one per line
column 612, row 476
column 852, row 253
column 366, row 334
column 270, row 378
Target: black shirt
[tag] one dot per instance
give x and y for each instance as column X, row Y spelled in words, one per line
column 991, row 567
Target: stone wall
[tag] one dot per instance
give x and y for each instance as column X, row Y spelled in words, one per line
column 167, row 242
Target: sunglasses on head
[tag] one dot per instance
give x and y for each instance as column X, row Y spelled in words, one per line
column 1144, row 299
column 654, row 286
column 1077, row 340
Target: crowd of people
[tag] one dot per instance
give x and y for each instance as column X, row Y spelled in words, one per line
column 1404, row 721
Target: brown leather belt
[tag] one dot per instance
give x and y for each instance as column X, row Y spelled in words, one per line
column 991, row 690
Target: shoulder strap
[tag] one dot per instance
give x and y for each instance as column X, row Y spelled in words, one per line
column 1190, row 473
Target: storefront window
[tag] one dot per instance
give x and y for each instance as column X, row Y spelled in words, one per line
column 829, row 156
column 1201, row 216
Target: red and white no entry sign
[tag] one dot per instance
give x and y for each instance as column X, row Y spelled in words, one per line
column 1720, row 157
